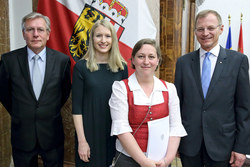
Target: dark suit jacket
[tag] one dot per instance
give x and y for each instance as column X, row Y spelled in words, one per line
column 223, row 118
column 34, row 120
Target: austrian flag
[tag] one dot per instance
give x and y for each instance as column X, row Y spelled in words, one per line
column 71, row 22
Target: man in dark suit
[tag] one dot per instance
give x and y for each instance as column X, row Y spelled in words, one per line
column 33, row 92
column 214, row 94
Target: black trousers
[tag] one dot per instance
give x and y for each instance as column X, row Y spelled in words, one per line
column 202, row 159
column 50, row 158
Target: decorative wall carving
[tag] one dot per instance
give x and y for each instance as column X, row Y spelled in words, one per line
column 170, row 36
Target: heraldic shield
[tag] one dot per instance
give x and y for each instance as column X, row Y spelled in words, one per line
column 78, row 44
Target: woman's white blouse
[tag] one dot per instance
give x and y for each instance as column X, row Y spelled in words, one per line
column 119, row 106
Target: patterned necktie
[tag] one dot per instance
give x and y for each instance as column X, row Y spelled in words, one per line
column 206, row 73
column 37, row 77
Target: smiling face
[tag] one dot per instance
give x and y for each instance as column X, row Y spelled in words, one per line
column 146, row 60
column 35, row 34
column 102, row 40
column 208, row 31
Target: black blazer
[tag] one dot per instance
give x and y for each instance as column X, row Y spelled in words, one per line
column 223, row 118
column 34, row 120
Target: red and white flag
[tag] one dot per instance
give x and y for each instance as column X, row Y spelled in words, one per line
column 71, row 21
column 240, row 42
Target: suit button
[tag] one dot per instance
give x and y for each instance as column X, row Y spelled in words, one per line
column 151, row 119
column 150, row 112
column 204, row 111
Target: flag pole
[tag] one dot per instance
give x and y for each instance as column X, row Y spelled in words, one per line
column 241, row 18
column 240, row 43
column 229, row 38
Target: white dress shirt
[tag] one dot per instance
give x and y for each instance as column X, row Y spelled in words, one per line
column 213, row 57
column 119, row 106
column 41, row 62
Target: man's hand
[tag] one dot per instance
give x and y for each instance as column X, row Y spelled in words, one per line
column 237, row 159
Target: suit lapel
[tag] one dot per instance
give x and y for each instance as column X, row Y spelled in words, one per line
column 218, row 69
column 196, row 70
column 24, row 66
column 50, row 60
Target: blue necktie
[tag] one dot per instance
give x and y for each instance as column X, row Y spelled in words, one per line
column 206, row 73
column 37, row 77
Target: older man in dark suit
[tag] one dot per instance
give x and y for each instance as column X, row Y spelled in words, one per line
column 214, row 91
column 34, row 85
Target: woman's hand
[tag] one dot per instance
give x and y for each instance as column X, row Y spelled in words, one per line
column 84, row 151
column 162, row 163
column 148, row 163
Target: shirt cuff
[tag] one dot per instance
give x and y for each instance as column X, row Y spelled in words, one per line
column 120, row 127
column 178, row 131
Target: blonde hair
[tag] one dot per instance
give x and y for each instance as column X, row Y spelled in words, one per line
column 204, row 13
column 115, row 61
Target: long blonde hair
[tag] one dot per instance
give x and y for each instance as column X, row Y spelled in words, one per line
column 115, row 61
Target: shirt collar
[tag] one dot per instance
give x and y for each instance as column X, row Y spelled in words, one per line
column 134, row 85
column 215, row 51
column 31, row 54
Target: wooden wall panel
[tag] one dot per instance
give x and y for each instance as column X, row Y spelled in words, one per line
column 5, row 146
column 190, row 26
column 170, row 36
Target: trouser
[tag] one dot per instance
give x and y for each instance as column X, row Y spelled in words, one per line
column 202, row 159
column 50, row 158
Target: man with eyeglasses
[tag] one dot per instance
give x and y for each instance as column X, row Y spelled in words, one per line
column 34, row 85
column 214, row 92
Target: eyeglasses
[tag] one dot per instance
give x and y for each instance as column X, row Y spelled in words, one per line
column 32, row 30
column 209, row 28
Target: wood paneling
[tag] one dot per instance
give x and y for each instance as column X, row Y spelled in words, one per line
column 190, row 26
column 170, row 36
column 5, row 146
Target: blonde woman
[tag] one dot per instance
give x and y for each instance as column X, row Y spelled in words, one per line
column 93, row 77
